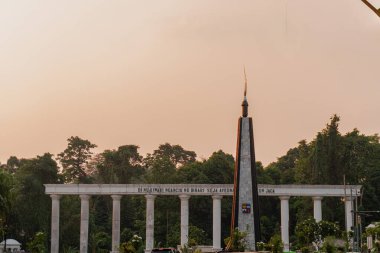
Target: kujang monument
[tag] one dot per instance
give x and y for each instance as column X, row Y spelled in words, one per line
column 245, row 208
column 245, row 213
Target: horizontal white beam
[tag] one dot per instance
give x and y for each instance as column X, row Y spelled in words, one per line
column 200, row 189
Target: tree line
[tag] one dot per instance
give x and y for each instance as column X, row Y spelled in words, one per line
column 25, row 209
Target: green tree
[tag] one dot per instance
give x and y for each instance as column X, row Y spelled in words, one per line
column 361, row 163
column 30, row 193
column 192, row 173
column 75, row 158
column 161, row 171
column 177, row 155
column 309, row 231
column 327, row 228
column 123, row 165
column 13, row 163
column 69, row 230
column 6, row 185
column 38, row 244
column 219, row 168
column 7, row 197
column 99, row 242
column 198, row 236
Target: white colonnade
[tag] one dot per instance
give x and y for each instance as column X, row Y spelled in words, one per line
column 317, row 204
column 184, row 192
column 84, row 222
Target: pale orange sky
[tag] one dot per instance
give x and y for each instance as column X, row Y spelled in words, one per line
column 149, row 72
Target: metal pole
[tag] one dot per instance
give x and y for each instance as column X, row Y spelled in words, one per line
column 357, row 217
column 167, row 227
column 373, row 8
column 345, row 199
column 353, row 220
column 5, row 238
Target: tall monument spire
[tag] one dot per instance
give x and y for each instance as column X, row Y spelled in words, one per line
column 245, row 210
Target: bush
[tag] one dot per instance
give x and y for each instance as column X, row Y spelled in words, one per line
column 37, row 245
column 260, row 246
column 276, row 244
column 305, row 250
column 328, row 245
column 134, row 245
column 237, row 242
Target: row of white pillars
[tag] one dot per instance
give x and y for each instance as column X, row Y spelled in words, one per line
column 84, row 222
column 317, row 204
column 216, row 230
column 317, row 207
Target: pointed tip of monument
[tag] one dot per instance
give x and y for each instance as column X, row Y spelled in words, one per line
column 245, row 102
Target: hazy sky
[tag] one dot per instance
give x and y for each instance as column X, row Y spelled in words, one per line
column 149, row 72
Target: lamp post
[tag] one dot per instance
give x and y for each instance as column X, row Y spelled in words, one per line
column 358, row 226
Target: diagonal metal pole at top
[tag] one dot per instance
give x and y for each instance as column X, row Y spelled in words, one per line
column 373, row 8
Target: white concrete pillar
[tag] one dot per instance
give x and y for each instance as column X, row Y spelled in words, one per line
column 54, row 247
column 285, row 221
column 348, row 210
column 84, row 218
column 115, row 223
column 317, row 203
column 184, row 219
column 216, row 221
column 149, row 222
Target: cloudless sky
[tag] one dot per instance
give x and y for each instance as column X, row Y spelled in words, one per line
column 149, row 72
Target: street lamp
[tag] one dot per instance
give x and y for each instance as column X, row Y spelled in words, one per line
column 358, row 225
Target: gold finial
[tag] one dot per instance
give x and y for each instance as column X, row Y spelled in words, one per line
column 245, row 83
column 245, row 102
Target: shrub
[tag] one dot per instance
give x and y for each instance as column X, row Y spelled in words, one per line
column 37, row 245
column 276, row 244
column 328, row 245
column 237, row 242
column 134, row 245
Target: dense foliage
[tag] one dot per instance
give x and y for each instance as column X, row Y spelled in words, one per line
column 25, row 209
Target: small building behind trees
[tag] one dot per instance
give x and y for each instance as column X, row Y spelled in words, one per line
column 11, row 246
